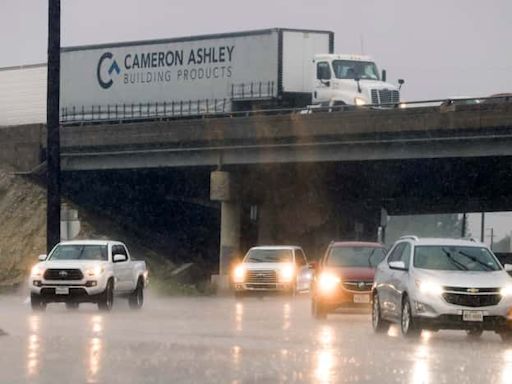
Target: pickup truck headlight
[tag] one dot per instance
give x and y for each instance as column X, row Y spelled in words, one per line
column 327, row 282
column 37, row 271
column 287, row 273
column 239, row 274
column 95, row 271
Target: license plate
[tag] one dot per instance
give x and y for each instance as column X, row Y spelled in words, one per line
column 362, row 299
column 472, row 316
column 61, row 290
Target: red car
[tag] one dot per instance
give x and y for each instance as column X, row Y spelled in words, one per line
column 344, row 276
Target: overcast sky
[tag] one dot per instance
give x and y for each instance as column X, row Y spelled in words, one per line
column 441, row 47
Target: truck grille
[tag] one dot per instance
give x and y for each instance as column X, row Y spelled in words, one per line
column 261, row 277
column 385, row 96
column 471, row 300
column 360, row 286
column 63, row 274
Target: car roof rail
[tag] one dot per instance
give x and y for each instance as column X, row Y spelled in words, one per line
column 409, row 237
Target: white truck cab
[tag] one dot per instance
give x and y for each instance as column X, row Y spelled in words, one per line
column 87, row 271
column 351, row 80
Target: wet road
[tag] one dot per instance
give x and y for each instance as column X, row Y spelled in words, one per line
column 220, row 340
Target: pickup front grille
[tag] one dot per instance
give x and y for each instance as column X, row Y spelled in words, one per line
column 267, row 276
column 385, row 96
column 359, row 286
column 466, row 300
column 63, row 274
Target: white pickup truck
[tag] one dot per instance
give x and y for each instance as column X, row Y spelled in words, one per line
column 87, row 271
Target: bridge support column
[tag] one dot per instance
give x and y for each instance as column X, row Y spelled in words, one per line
column 223, row 188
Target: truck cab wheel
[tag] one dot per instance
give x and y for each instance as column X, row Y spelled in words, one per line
column 136, row 299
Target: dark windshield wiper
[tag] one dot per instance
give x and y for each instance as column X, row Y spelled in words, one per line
column 473, row 258
column 458, row 264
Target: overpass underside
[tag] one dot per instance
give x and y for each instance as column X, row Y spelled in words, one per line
column 301, row 179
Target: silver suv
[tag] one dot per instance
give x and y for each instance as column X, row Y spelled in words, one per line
column 442, row 284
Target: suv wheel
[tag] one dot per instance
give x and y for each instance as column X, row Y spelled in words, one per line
column 408, row 325
column 378, row 323
column 318, row 309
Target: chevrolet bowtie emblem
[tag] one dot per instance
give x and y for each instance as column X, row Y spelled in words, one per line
column 472, row 290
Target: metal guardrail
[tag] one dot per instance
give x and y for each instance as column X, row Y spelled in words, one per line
column 201, row 109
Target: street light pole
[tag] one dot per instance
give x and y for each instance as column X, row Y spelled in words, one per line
column 52, row 127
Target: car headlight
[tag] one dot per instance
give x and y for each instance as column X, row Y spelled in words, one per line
column 327, row 282
column 287, row 273
column 426, row 286
column 37, row 271
column 95, row 271
column 239, row 274
column 506, row 290
column 359, row 101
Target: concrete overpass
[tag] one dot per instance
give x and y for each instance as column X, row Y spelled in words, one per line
column 305, row 178
column 453, row 132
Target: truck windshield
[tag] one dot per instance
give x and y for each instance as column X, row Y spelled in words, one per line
column 79, row 252
column 269, row 256
column 348, row 69
column 355, row 256
column 454, row 258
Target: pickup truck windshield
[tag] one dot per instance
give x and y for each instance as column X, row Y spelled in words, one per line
column 79, row 252
column 453, row 258
column 269, row 256
column 346, row 69
column 355, row 257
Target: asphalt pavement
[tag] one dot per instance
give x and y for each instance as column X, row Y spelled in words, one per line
column 222, row 340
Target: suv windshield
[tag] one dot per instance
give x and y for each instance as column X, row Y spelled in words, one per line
column 269, row 256
column 355, row 256
column 455, row 258
column 79, row 252
column 347, row 69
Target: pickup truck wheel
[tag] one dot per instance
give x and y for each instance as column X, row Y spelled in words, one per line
column 318, row 309
column 72, row 306
column 106, row 301
column 136, row 299
column 37, row 304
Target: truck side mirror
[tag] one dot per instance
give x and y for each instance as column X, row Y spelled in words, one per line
column 41, row 257
column 357, row 79
column 383, row 75
column 118, row 258
column 400, row 82
column 327, row 83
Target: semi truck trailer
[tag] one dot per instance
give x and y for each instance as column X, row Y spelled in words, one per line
column 252, row 70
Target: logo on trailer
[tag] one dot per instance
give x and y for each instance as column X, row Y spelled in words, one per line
column 114, row 67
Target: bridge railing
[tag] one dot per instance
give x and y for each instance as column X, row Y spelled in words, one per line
column 222, row 108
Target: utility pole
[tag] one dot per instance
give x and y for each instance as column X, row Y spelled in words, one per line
column 482, row 228
column 492, row 237
column 52, row 127
column 463, row 229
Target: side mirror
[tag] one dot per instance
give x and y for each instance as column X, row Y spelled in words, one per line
column 41, row 257
column 357, row 79
column 313, row 264
column 400, row 83
column 508, row 267
column 384, row 75
column 327, row 83
column 119, row 258
column 398, row 265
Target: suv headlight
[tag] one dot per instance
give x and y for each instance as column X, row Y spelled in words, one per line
column 426, row 287
column 506, row 290
column 95, row 271
column 327, row 282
